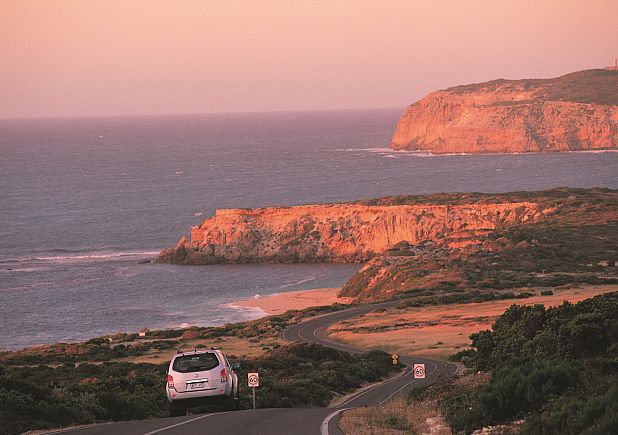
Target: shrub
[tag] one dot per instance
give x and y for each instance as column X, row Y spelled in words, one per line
column 556, row 367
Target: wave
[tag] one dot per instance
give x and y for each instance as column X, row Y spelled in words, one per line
column 248, row 313
column 593, row 151
column 368, row 150
column 302, row 281
column 391, row 153
column 79, row 255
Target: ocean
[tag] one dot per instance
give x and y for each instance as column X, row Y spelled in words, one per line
column 83, row 200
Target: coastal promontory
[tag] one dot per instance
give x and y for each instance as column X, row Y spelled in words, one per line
column 574, row 112
column 348, row 232
column 427, row 243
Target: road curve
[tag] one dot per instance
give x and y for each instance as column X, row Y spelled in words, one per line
column 299, row 421
column 313, row 330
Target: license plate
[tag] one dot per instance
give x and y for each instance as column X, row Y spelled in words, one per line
column 197, row 385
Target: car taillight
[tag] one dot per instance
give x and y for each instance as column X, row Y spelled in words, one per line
column 223, row 375
column 170, row 381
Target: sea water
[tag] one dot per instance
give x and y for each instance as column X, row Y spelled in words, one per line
column 83, row 201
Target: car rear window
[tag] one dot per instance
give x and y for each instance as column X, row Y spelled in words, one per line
column 195, row 363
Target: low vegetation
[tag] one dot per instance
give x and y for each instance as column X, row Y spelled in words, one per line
column 384, row 419
column 595, row 86
column 554, row 368
column 295, row 375
column 595, row 195
column 303, row 374
column 538, row 371
column 575, row 243
column 127, row 346
column 557, row 368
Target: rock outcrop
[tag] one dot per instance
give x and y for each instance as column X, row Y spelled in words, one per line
column 339, row 232
column 575, row 112
column 574, row 242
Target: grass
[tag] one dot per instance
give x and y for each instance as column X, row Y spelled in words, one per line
column 296, row 375
column 595, row 86
column 439, row 331
column 557, row 368
column 130, row 347
column 392, row 417
column 574, row 243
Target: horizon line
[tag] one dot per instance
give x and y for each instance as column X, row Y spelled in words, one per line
column 167, row 114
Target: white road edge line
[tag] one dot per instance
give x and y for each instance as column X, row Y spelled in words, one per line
column 362, row 393
column 435, row 367
column 329, row 417
column 178, row 424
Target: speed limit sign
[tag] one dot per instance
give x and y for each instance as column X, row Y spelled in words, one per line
column 254, row 380
column 419, row 371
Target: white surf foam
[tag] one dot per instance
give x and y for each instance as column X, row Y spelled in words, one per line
column 83, row 256
column 302, row 281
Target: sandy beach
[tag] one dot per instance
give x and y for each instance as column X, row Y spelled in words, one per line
column 295, row 300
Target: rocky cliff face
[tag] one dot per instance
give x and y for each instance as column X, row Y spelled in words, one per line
column 339, row 232
column 575, row 112
column 575, row 242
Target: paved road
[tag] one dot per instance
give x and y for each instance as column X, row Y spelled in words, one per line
column 313, row 331
column 284, row 421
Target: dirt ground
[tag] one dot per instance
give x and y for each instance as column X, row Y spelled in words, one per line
column 440, row 331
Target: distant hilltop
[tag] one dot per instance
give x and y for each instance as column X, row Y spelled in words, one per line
column 574, row 112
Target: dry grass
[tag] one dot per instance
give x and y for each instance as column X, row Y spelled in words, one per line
column 394, row 417
column 440, row 331
column 418, row 413
column 232, row 346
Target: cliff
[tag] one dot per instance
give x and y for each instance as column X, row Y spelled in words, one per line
column 340, row 232
column 575, row 112
column 574, row 243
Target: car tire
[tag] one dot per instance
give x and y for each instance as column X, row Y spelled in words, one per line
column 176, row 409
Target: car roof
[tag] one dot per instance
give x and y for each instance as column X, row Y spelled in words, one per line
column 197, row 352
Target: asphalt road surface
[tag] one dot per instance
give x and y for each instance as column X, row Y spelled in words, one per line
column 284, row 421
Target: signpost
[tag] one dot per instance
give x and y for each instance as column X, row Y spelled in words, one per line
column 395, row 358
column 419, row 371
column 253, row 381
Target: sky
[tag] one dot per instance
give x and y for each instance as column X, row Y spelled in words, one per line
column 134, row 57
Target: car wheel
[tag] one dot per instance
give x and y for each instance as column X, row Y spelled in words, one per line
column 176, row 409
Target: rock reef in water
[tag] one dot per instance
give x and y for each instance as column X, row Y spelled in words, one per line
column 575, row 112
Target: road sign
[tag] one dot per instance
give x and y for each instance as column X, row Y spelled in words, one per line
column 254, row 380
column 419, row 371
column 395, row 358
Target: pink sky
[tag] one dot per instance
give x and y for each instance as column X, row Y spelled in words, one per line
column 118, row 57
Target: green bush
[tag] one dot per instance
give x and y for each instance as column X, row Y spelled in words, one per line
column 463, row 412
column 302, row 374
column 516, row 390
column 556, row 367
column 575, row 415
column 298, row 375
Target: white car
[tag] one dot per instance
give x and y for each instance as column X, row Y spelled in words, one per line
column 201, row 377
